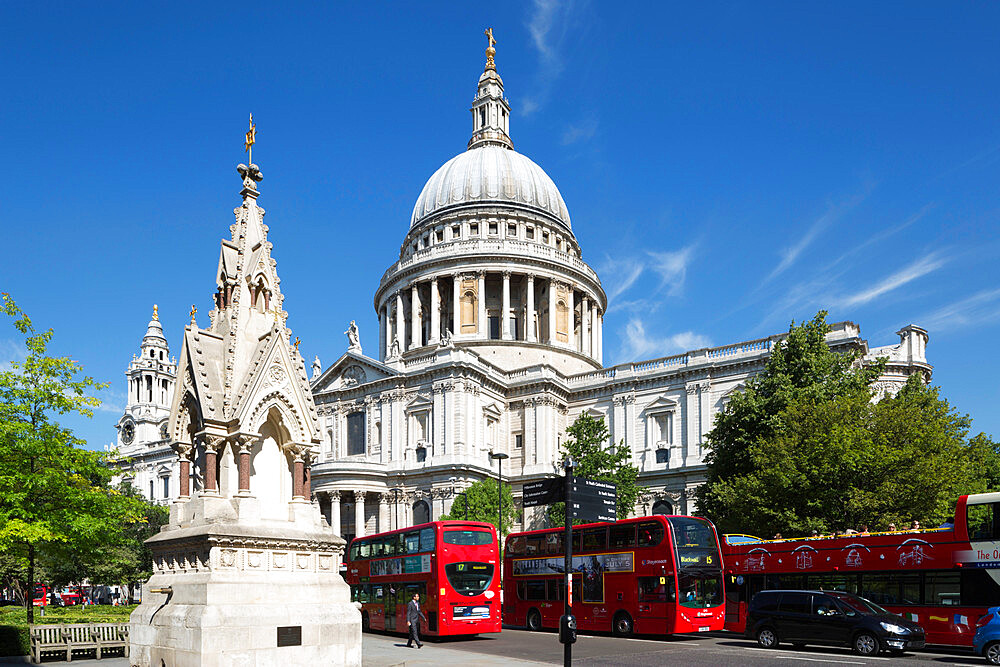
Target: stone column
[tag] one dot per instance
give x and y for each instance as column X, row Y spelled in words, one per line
column 359, row 513
column 335, row 512
column 416, row 339
column 383, row 512
column 243, row 446
column 183, row 450
column 593, row 331
column 529, row 314
column 298, row 473
column 552, row 312
column 600, row 337
column 383, row 323
column 571, row 324
column 456, row 298
column 212, row 445
column 585, row 343
column 483, row 328
column 400, row 322
column 435, row 333
column 307, row 478
column 505, row 308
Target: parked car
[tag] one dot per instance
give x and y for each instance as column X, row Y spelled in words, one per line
column 831, row 618
column 987, row 639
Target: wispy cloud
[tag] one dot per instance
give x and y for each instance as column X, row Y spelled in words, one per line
column 637, row 344
column 792, row 253
column 881, row 236
column 622, row 273
column 112, row 401
column 11, row 350
column 979, row 308
column 579, row 132
column 921, row 267
column 548, row 27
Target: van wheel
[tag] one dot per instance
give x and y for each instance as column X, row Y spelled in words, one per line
column 866, row 644
column 767, row 638
column 623, row 624
column 366, row 623
column 534, row 620
column 992, row 653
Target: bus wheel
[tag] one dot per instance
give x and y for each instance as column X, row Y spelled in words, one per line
column 766, row 638
column 992, row 653
column 366, row 624
column 534, row 620
column 623, row 624
column 866, row 644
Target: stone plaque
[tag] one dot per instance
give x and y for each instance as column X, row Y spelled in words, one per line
column 290, row 635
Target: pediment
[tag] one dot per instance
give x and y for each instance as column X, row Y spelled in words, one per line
column 493, row 410
column 419, row 402
column 662, row 403
column 351, row 370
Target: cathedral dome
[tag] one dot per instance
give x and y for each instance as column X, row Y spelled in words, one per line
column 490, row 174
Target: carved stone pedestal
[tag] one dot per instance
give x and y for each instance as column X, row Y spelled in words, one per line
column 231, row 589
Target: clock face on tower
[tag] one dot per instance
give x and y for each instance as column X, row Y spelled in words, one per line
column 128, row 432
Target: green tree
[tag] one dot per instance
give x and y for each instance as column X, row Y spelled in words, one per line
column 483, row 504
column 52, row 490
column 805, row 447
column 594, row 459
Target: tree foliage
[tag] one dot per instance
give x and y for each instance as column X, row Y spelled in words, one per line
column 594, row 459
column 805, row 447
column 483, row 504
column 53, row 492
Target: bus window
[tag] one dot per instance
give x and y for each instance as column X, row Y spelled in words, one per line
column 364, row 550
column 909, row 588
column 411, row 542
column 701, row 589
column 879, row 588
column 577, row 541
column 364, row 593
column 378, row 548
column 355, row 552
column 471, row 578
column 554, row 589
column 595, row 539
column 623, row 536
column 650, row 533
column 656, row 589
column 942, row 588
column 377, row 593
column 982, row 521
column 979, row 589
column 554, row 543
column 426, row 539
column 521, row 591
column 468, row 537
column 392, row 545
column 535, row 590
column 515, row 546
column 534, row 544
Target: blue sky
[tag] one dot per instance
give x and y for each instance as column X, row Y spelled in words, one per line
column 728, row 167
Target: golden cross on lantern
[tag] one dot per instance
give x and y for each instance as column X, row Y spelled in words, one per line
column 194, row 309
column 297, row 341
column 156, row 316
column 490, row 51
column 251, row 140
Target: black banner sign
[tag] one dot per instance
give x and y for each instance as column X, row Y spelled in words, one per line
column 543, row 492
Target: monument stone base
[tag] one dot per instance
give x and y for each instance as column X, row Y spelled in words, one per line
column 230, row 589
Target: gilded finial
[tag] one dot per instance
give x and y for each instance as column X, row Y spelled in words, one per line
column 156, row 316
column 490, row 51
column 297, row 341
column 250, row 140
column 194, row 310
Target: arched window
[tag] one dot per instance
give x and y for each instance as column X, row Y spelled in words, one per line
column 662, row 507
column 469, row 323
column 421, row 512
column 562, row 321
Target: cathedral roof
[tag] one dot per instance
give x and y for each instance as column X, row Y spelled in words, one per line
column 490, row 172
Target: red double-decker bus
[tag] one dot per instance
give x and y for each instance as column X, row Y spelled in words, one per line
column 944, row 579
column 649, row 575
column 453, row 565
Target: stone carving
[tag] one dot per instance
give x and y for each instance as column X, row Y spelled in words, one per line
column 446, row 340
column 227, row 557
column 353, row 339
column 354, row 375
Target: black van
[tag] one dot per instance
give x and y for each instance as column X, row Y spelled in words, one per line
column 831, row 618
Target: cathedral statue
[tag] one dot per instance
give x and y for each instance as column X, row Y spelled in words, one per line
column 353, row 340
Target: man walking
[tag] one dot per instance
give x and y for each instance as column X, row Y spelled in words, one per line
column 413, row 616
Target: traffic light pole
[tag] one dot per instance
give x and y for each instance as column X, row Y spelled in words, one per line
column 568, row 570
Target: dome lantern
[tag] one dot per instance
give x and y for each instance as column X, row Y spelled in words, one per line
column 490, row 110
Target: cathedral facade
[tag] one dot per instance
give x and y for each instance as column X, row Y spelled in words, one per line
column 491, row 343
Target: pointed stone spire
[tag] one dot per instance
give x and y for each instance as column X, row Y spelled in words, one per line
column 490, row 110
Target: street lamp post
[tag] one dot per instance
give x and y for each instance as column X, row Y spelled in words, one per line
column 395, row 503
column 499, row 457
